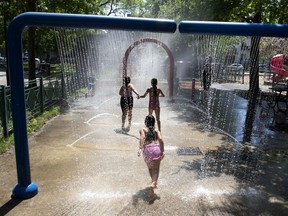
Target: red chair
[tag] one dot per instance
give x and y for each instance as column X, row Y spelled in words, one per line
column 276, row 66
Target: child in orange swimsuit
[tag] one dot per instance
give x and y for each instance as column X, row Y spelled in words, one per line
column 154, row 104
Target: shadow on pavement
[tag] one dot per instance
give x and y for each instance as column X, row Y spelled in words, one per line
column 7, row 207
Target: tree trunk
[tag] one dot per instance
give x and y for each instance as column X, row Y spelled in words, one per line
column 253, row 89
column 6, row 50
column 31, row 6
column 254, row 70
column 31, row 53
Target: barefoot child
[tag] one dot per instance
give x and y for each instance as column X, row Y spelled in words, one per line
column 152, row 147
column 154, row 104
column 126, row 102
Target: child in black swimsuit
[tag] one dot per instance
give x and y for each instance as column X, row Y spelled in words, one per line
column 126, row 102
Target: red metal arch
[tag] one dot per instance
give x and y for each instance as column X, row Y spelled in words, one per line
column 168, row 51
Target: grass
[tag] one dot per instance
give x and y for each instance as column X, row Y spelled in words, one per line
column 33, row 126
column 36, row 123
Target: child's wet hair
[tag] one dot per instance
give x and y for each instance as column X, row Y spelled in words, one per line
column 154, row 82
column 127, row 80
column 149, row 121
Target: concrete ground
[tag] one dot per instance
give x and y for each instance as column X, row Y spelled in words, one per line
column 3, row 80
column 84, row 165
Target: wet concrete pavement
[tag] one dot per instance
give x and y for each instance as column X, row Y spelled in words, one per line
column 3, row 78
column 84, row 165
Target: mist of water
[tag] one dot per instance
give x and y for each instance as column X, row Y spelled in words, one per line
column 100, row 53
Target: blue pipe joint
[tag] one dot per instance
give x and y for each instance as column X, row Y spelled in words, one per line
column 25, row 192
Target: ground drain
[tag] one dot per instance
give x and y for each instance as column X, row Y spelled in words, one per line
column 189, row 151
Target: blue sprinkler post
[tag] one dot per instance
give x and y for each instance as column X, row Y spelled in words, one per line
column 26, row 188
column 233, row 28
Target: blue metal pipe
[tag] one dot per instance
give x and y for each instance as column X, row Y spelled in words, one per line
column 26, row 188
column 233, row 28
column 93, row 21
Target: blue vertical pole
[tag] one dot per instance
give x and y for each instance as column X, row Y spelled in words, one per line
column 26, row 188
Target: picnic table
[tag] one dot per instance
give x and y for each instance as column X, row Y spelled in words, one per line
column 281, row 98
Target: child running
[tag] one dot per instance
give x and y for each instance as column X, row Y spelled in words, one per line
column 126, row 102
column 152, row 146
column 154, row 104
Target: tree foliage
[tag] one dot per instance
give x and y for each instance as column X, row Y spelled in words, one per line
column 38, row 41
column 250, row 11
column 44, row 37
column 256, row 11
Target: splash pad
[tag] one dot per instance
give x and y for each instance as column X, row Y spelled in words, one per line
column 26, row 188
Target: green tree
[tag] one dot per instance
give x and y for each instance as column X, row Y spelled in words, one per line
column 37, row 41
column 249, row 11
column 40, row 40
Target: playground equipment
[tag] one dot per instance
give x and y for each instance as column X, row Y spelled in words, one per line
column 168, row 51
column 26, row 188
column 278, row 67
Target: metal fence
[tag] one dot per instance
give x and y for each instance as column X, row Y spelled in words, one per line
column 40, row 95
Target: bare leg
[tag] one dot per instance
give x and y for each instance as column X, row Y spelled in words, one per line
column 124, row 114
column 149, row 166
column 150, row 172
column 129, row 118
column 157, row 112
column 150, row 111
column 153, row 168
column 150, row 169
column 155, row 173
